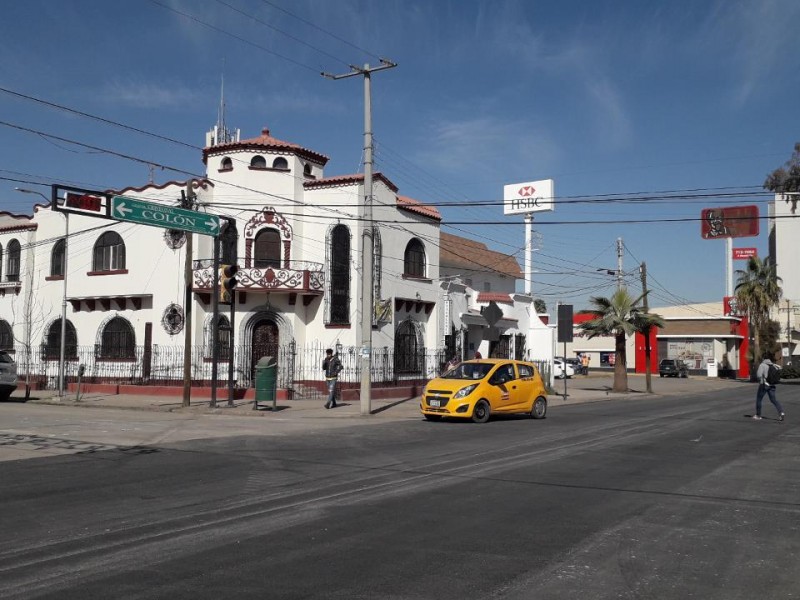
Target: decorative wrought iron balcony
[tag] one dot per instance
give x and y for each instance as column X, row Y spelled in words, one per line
column 294, row 276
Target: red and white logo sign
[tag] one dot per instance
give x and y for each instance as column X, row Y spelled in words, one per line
column 744, row 253
column 526, row 191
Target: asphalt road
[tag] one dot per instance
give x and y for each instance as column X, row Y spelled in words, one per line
column 667, row 498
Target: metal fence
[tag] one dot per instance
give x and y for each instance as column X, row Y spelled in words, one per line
column 298, row 368
column 163, row 365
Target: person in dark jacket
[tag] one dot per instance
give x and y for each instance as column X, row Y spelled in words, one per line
column 765, row 387
column 332, row 367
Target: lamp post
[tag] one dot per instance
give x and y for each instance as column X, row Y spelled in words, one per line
column 61, row 353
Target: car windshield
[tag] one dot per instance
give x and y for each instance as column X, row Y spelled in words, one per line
column 4, row 357
column 469, row 371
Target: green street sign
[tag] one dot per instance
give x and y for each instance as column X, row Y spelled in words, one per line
column 158, row 215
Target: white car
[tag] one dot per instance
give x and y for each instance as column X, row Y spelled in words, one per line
column 560, row 370
column 8, row 375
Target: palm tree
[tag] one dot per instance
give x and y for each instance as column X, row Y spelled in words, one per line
column 758, row 290
column 619, row 316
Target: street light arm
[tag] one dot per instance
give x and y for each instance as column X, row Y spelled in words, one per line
column 27, row 191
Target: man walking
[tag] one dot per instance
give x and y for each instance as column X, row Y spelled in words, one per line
column 332, row 366
column 768, row 376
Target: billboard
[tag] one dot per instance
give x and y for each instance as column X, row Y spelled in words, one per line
column 528, row 197
column 729, row 222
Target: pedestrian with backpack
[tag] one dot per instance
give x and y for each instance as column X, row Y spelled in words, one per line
column 332, row 367
column 768, row 376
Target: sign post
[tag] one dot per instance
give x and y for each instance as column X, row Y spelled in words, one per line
column 159, row 215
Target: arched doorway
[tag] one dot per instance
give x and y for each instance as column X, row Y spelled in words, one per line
column 265, row 342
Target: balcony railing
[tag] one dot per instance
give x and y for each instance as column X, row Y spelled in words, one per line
column 292, row 276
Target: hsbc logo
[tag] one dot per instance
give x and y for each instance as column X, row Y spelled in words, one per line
column 526, row 191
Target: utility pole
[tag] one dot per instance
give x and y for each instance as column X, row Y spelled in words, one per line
column 647, row 374
column 619, row 263
column 785, row 359
column 366, row 236
column 187, row 201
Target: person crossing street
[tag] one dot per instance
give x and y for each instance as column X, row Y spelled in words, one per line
column 767, row 376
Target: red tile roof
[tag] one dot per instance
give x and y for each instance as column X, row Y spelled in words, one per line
column 498, row 297
column 463, row 253
column 265, row 142
column 415, row 206
column 348, row 180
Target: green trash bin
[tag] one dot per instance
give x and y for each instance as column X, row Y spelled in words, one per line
column 266, row 381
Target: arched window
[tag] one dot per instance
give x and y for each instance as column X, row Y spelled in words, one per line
column 409, row 351
column 258, row 162
column 340, row 276
column 307, row 170
column 280, row 163
column 267, row 249
column 1, row 262
column 223, row 337
column 109, row 252
column 414, row 259
column 52, row 345
column 58, row 258
column 117, row 340
column 12, row 262
column 377, row 257
column 226, row 164
column 6, row 336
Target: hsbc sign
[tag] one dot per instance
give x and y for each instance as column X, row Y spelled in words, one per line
column 528, row 197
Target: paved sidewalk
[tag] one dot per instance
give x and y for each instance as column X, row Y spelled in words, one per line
column 580, row 389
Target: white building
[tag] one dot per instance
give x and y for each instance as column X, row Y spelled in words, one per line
column 783, row 235
column 299, row 248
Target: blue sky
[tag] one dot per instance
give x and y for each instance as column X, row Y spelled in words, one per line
column 605, row 97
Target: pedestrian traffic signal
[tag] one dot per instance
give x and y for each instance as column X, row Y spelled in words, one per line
column 227, row 282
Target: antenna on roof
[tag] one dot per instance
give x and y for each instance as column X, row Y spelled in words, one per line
column 220, row 134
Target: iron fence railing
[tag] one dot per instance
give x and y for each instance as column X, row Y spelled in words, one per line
column 299, row 368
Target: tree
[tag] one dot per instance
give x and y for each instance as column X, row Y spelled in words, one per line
column 787, row 178
column 540, row 306
column 758, row 290
column 32, row 315
column 620, row 316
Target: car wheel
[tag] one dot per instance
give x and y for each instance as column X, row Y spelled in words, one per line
column 660, row 374
column 539, row 408
column 5, row 396
column 481, row 412
column 433, row 417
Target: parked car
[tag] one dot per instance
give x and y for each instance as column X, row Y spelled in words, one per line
column 671, row 367
column 8, row 375
column 560, row 370
column 475, row 389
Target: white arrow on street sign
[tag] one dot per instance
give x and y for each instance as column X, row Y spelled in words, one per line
column 124, row 208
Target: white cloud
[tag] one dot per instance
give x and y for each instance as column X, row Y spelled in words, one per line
column 757, row 41
column 487, row 146
column 148, row 95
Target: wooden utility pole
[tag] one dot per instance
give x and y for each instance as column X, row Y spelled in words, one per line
column 647, row 375
column 188, row 278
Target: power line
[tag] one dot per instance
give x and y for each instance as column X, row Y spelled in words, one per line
column 320, row 29
column 234, row 36
column 289, row 35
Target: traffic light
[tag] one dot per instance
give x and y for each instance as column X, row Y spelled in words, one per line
column 227, row 282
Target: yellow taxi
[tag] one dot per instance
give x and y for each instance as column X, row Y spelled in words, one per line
column 476, row 389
